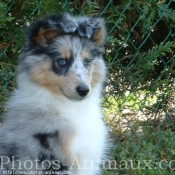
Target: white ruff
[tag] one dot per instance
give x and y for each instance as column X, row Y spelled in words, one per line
column 52, row 113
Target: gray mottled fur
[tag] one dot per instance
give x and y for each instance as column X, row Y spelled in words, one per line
column 41, row 127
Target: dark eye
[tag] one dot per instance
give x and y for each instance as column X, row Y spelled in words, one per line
column 87, row 62
column 62, row 62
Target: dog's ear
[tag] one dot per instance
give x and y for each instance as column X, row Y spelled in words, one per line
column 92, row 28
column 42, row 31
column 46, row 35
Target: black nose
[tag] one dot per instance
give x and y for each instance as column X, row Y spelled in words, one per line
column 82, row 90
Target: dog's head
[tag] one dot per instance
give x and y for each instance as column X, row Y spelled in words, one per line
column 64, row 55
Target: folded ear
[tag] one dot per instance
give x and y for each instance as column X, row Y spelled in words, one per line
column 99, row 35
column 92, row 28
column 44, row 36
column 42, row 31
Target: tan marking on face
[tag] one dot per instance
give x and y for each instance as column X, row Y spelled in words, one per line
column 97, row 73
column 46, row 35
column 96, row 76
column 65, row 53
column 98, row 36
column 85, row 53
column 56, row 64
column 57, row 84
column 43, row 75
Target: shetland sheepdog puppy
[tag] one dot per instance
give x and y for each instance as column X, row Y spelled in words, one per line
column 54, row 121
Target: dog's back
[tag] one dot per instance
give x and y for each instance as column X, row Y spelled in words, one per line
column 54, row 120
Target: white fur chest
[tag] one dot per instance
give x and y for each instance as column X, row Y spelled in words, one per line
column 88, row 133
column 81, row 129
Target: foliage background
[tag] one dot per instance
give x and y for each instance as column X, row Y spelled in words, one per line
column 138, row 100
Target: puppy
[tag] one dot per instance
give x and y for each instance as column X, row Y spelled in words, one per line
column 54, row 121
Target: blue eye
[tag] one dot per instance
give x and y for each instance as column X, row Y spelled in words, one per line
column 62, row 62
